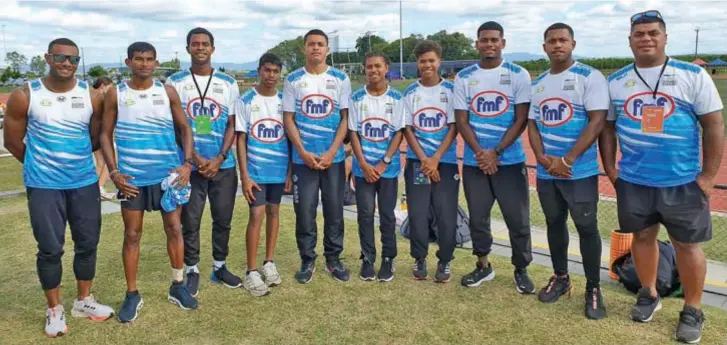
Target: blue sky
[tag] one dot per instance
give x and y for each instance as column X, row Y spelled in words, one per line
column 245, row 29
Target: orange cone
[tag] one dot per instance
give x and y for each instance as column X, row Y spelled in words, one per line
column 620, row 245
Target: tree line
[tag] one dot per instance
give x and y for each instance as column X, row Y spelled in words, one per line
column 455, row 46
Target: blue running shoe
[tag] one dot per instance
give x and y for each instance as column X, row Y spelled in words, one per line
column 129, row 310
column 179, row 295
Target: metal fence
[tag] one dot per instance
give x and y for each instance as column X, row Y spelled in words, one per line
column 715, row 249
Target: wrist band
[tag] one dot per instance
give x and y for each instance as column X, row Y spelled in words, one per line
column 113, row 173
column 565, row 163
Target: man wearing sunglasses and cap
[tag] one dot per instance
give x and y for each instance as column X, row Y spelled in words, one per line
column 59, row 117
column 658, row 105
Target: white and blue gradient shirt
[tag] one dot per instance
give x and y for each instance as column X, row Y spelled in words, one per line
column 490, row 96
column 376, row 119
column 428, row 110
column 559, row 105
column 218, row 105
column 261, row 118
column 58, row 151
column 317, row 100
column 145, row 138
column 670, row 158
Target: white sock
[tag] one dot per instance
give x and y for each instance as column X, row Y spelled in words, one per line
column 177, row 275
column 190, row 269
column 218, row 264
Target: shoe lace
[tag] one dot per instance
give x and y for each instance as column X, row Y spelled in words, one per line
column 689, row 317
column 444, row 268
column 593, row 294
column 551, row 283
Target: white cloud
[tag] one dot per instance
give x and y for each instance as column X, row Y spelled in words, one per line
column 245, row 29
column 221, row 25
column 54, row 17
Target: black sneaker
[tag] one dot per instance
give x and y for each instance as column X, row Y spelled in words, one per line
column 420, row 270
column 557, row 286
column 192, row 283
column 305, row 274
column 338, row 270
column 367, row 271
column 691, row 323
column 523, row 283
column 225, row 277
column 595, row 308
column 443, row 272
column 479, row 275
column 386, row 271
column 643, row 310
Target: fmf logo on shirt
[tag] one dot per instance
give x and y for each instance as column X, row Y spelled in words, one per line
column 267, row 131
column 211, row 108
column 429, row 119
column 316, row 106
column 633, row 105
column 555, row 112
column 490, row 103
column 376, row 129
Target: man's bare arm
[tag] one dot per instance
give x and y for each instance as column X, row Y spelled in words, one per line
column 462, row 118
column 518, row 127
column 597, row 119
column 712, row 142
column 180, row 122
column 108, row 125
column 94, row 128
column 15, row 124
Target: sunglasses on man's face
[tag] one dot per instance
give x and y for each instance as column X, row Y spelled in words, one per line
column 60, row 58
column 647, row 14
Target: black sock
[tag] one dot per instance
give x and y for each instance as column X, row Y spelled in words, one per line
column 248, row 271
column 132, row 293
column 266, row 261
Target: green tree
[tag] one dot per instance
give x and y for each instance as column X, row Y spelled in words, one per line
column 455, row 46
column 97, row 71
column 174, row 64
column 16, row 60
column 9, row 74
column 362, row 44
column 290, row 53
column 391, row 50
column 37, row 65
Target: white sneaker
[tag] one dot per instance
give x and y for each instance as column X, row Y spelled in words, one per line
column 254, row 284
column 55, row 321
column 88, row 307
column 272, row 277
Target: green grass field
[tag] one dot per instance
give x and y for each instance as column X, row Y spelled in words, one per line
column 6, row 89
column 323, row 312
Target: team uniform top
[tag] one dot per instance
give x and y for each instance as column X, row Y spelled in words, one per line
column 145, row 137
column 261, row 118
column 58, row 151
column 559, row 105
column 428, row 110
column 218, row 105
column 670, row 156
column 490, row 96
column 376, row 119
column 317, row 100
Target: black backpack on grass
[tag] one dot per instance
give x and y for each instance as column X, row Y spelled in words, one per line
column 667, row 277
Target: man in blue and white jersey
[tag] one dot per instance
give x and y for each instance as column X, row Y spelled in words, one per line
column 658, row 107
column 142, row 115
column 431, row 174
column 263, row 154
column 208, row 98
column 568, row 109
column 375, row 125
column 51, row 125
column 491, row 102
column 315, row 110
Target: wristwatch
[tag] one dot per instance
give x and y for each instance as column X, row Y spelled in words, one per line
column 386, row 160
column 499, row 150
